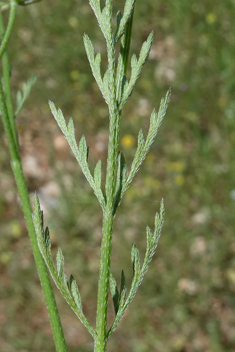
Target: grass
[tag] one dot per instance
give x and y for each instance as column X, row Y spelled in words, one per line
column 190, row 286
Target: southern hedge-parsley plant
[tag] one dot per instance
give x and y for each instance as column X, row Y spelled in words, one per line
column 116, row 88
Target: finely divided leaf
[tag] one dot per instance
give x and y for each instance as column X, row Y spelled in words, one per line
column 60, row 264
column 38, row 217
column 75, row 293
column 70, row 292
column 114, row 292
column 136, row 67
column 80, row 152
column 135, row 258
column 97, row 175
column 144, row 145
column 159, row 219
column 106, row 88
column 94, row 61
column 122, row 300
column 134, row 62
column 89, row 48
column 83, row 148
column 22, row 96
column 58, row 115
column 95, row 5
column 138, row 270
column 71, row 130
column 122, row 21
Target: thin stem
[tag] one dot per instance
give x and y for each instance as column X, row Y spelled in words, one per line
column 11, row 21
column 7, row 85
column 110, row 186
column 6, row 109
column 23, row 192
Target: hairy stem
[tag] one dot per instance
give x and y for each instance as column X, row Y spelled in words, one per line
column 110, row 187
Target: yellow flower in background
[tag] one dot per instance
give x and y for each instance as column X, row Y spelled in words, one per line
column 152, row 182
column 230, row 274
column 175, row 166
column 15, row 229
column 74, row 74
column 128, row 141
column 210, row 17
column 5, row 257
column 179, row 180
column 73, row 22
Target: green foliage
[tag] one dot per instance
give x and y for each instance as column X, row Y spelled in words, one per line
column 116, row 90
column 81, row 153
column 69, row 290
column 8, row 118
column 197, row 135
column 21, row 97
column 120, row 301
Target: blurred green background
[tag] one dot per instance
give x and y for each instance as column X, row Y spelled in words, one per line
column 187, row 301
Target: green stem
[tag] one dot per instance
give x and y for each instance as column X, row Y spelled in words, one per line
column 11, row 21
column 23, row 192
column 110, row 187
column 7, row 85
column 11, row 133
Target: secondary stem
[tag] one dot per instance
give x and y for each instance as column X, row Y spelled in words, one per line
column 42, row 270
column 12, row 15
column 11, row 133
column 7, row 85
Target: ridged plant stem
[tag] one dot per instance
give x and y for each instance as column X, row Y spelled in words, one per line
column 110, row 187
column 6, row 108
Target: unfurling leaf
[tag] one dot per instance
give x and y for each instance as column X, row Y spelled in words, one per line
column 22, row 96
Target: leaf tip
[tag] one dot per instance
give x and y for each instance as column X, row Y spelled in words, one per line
column 36, row 203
